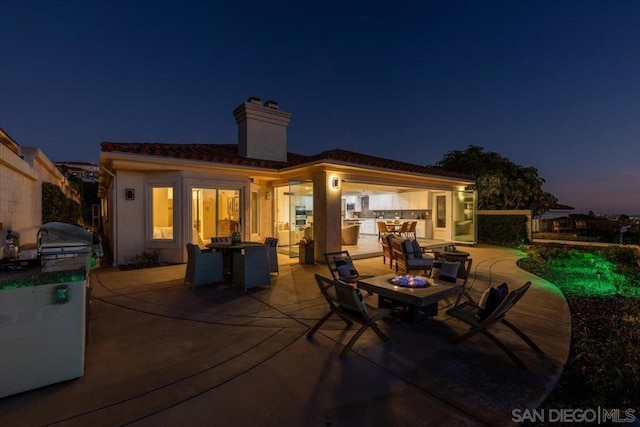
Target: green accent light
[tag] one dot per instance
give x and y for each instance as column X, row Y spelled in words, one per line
column 588, row 274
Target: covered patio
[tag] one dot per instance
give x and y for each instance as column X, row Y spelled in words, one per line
column 160, row 353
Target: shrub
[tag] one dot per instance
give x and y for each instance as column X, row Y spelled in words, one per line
column 507, row 230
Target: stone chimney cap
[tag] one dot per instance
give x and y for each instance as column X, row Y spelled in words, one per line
column 272, row 104
column 254, row 100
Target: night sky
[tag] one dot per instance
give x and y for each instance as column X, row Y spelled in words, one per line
column 549, row 84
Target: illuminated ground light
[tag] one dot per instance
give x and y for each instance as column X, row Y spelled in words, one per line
column 589, row 274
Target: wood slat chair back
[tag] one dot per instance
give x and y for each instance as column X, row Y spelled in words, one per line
column 386, row 249
column 346, row 302
column 383, row 230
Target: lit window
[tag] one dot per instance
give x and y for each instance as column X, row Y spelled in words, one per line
column 162, row 213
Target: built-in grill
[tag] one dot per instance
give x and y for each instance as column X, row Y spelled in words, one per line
column 60, row 240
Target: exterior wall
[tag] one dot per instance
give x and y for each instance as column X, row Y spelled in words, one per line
column 21, row 178
column 326, row 204
column 129, row 238
column 127, row 221
column 129, row 218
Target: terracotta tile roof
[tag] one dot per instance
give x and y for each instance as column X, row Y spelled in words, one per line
column 377, row 162
column 228, row 153
column 215, row 153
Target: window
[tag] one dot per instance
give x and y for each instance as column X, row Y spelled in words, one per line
column 441, row 211
column 162, row 213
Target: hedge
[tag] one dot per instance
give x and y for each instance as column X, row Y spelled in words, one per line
column 502, row 229
column 57, row 207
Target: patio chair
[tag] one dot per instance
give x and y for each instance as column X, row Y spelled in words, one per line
column 347, row 302
column 203, row 267
column 383, row 230
column 350, row 234
column 409, row 256
column 272, row 244
column 341, row 267
column 468, row 313
column 251, row 269
column 404, row 229
column 386, row 249
column 411, row 232
column 452, row 272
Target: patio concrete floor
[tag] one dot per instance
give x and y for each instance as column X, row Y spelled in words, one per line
column 160, row 353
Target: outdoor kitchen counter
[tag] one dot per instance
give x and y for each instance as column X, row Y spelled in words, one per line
column 38, row 275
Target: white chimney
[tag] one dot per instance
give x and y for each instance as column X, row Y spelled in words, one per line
column 262, row 130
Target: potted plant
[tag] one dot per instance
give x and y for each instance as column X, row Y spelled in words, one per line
column 306, row 251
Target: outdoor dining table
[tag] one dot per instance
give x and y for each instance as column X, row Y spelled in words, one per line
column 227, row 249
column 420, row 302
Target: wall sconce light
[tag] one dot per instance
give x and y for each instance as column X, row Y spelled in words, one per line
column 335, row 182
column 130, row 194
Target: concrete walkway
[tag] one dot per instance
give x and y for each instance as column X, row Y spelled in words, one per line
column 160, row 353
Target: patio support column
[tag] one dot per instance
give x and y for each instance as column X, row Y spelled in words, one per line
column 326, row 213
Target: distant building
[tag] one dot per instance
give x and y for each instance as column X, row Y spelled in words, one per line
column 87, row 172
column 559, row 214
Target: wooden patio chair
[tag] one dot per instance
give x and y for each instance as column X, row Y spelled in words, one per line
column 409, row 256
column 467, row 312
column 453, row 272
column 341, row 267
column 411, row 233
column 404, row 229
column 346, row 301
column 383, row 230
column 386, row 249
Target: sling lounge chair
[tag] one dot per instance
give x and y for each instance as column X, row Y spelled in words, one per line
column 467, row 312
column 347, row 302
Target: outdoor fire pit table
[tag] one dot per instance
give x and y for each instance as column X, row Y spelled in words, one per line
column 419, row 301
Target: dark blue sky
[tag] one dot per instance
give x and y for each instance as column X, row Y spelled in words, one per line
column 549, row 84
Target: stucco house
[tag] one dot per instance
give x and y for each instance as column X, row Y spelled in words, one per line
column 159, row 197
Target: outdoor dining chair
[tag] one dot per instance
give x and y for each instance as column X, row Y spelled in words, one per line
column 468, row 312
column 251, row 269
column 347, row 302
column 383, row 230
column 411, row 233
column 203, row 267
column 272, row 244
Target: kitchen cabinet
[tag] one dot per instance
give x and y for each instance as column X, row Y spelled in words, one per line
column 424, row 229
column 418, row 200
column 402, row 201
column 367, row 226
column 353, row 201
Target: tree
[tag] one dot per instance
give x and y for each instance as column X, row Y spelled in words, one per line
column 501, row 184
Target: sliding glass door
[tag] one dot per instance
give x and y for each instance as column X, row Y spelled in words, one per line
column 294, row 215
column 214, row 212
